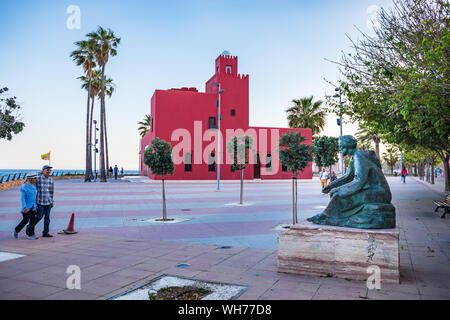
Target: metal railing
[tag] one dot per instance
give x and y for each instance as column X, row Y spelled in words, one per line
column 22, row 175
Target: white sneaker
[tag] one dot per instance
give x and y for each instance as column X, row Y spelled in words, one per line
column 32, row 237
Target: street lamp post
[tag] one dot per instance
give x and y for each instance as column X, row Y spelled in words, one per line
column 219, row 117
column 95, row 150
column 340, row 123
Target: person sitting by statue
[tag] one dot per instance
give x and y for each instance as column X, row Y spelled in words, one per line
column 361, row 198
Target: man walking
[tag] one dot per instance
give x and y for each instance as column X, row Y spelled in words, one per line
column 324, row 177
column 44, row 199
column 116, row 172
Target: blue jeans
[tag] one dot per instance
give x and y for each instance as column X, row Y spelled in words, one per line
column 43, row 211
column 27, row 217
column 404, row 178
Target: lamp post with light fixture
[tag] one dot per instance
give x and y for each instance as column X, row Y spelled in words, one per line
column 339, row 121
column 219, row 117
column 95, row 150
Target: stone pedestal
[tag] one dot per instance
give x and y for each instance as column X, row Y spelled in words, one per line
column 311, row 249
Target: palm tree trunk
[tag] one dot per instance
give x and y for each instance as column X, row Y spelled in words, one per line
column 90, row 136
column 106, row 141
column 102, row 133
column 87, row 175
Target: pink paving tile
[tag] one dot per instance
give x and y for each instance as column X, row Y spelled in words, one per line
column 382, row 295
column 118, row 280
column 284, row 294
column 72, row 294
column 296, row 286
column 216, row 276
column 93, row 272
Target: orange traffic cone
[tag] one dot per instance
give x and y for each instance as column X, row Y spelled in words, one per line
column 70, row 229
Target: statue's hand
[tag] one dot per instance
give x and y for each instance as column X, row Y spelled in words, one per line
column 333, row 192
column 326, row 189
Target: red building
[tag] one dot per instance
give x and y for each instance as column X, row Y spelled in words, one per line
column 188, row 119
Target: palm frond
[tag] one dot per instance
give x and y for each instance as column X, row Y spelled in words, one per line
column 145, row 125
column 306, row 113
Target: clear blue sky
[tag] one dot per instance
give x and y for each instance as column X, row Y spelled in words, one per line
column 280, row 44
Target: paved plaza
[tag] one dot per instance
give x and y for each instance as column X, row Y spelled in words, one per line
column 119, row 246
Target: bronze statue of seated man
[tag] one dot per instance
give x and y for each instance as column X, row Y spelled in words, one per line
column 361, row 198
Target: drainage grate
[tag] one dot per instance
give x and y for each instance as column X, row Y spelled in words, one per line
column 225, row 247
column 186, row 210
column 183, row 265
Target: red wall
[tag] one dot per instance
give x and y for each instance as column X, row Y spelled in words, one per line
column 305, row 174
column 180, row 111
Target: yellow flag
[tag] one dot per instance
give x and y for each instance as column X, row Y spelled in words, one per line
column 46, row 156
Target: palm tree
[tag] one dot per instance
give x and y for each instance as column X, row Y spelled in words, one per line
column 84, row 55
column 105, row 45
column 365, row 136
column 145, row 125
column 95, row 85
column 391, row 157
column 95, row 92
column 306, row 113
column 109, row 90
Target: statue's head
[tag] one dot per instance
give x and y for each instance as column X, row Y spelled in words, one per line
column 347, row 145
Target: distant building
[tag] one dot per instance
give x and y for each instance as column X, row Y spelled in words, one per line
column 188, row 120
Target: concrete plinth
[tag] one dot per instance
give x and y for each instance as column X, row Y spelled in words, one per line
column 312, row 249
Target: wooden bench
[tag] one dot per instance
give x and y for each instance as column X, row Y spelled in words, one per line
column 444, row 205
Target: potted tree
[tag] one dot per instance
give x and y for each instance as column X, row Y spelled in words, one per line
column 158, row 157
column 238, row 148
column 296, row 156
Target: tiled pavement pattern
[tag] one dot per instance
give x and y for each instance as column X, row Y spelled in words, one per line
column 116, row 250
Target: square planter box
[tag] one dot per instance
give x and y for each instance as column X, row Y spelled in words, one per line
column 220, row 290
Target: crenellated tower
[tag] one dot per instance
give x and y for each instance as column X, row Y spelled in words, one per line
column 226, row 64
column 235, row 99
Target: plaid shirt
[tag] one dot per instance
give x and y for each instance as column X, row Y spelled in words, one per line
column 45, row 188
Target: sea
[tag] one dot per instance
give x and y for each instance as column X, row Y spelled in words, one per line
column 6, row 172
